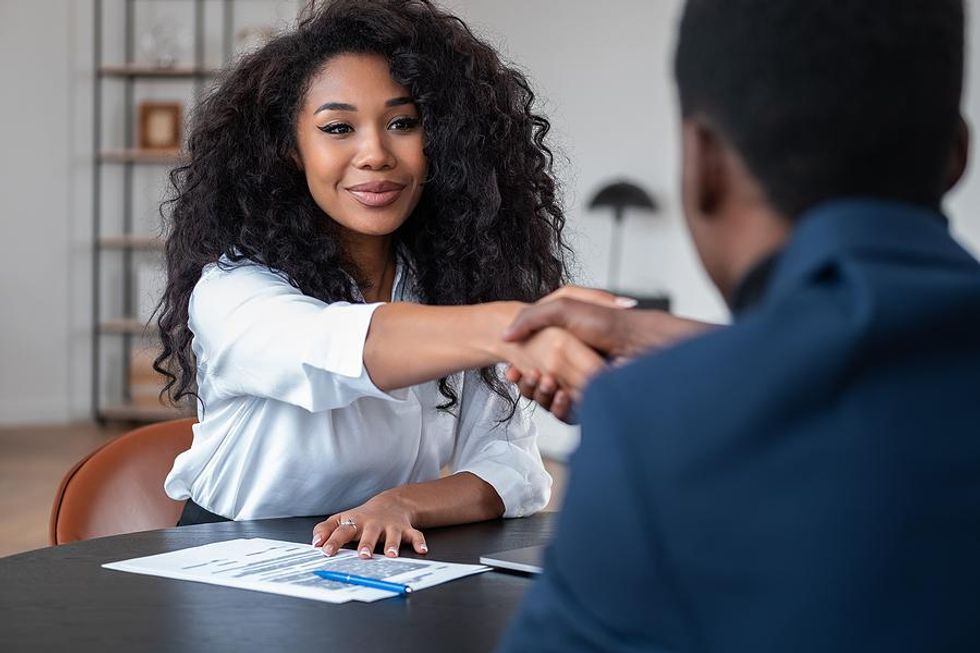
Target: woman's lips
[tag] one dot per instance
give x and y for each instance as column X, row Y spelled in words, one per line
column 376, row 194
column 375, row 200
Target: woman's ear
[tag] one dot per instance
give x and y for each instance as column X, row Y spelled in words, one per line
column 961, row 155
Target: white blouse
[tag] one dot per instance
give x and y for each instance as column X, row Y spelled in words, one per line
column 292, row 425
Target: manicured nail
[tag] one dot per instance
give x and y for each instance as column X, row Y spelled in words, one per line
column 329, row 550
column 626, row 302
column 317, row 539
column 391, row 551
column 424, row 549
column 365, row 552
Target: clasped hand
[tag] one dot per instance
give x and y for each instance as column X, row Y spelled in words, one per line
column 566, row 338
column 551, row 364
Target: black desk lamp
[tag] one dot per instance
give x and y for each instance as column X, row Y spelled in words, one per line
column 619, row 196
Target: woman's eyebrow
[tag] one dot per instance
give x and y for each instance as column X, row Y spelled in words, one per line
column 335, row 106
column 343, row 106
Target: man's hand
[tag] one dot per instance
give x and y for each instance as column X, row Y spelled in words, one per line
column 615, row 332
column 595, row 318
column 557, row 383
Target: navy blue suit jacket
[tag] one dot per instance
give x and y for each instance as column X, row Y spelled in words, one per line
column 807, row 479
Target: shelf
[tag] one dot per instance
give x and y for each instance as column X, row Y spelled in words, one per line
column 129, row 412
column 143, row 156
column 143, row 70
column 127, row 327
column 131, row 242
column 124, row 387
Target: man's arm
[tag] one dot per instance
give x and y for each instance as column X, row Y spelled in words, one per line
column 613, row 331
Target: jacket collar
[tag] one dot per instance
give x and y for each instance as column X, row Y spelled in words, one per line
column 860, row 227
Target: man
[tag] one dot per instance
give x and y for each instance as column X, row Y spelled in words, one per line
column 807, row 479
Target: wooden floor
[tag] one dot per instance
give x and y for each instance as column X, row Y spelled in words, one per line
column 34, row 459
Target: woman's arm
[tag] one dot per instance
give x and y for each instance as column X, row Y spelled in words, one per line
column 409, row 344
column 396, row 515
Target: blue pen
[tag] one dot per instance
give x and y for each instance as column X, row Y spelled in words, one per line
column 364, row 581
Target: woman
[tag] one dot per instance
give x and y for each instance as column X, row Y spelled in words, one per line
column 355, row 189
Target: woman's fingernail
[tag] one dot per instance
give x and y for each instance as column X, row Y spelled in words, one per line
column 391, row 551
column 365, row 552
column 329, row 550
column 424, row 549
column 626, row 302
column 317, row 540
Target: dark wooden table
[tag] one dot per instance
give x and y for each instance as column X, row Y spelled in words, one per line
column 61, row 599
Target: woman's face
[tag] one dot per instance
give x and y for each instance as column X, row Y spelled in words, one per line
column 361, row 146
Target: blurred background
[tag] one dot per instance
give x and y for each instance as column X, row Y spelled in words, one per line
column 96, row 96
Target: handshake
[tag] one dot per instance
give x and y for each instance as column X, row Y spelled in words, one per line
column 555, row 346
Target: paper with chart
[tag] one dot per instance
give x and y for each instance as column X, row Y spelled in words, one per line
column 287, row 568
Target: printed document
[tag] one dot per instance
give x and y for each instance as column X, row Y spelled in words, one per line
column 287, row 568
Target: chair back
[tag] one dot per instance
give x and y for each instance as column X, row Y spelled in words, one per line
column 118, row 488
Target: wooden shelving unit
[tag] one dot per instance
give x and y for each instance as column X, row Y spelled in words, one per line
column 136, row 155
column 133, row 413
column 122, row 331
column 118, row 329
column 171, row 72
column 123, row 326
column 131, row 242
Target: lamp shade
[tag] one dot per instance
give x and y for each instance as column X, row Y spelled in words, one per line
column 622, row 195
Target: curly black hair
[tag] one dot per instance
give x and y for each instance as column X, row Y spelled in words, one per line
column 488, row 225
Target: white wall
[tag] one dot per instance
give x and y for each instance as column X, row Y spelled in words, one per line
column 35, row 211
column 601, row 69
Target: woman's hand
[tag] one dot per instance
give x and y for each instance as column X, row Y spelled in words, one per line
column 384, row 519
column 552, row 368
column 589, row 295
column 543, row 387
column 543, row 392
column 558, row 359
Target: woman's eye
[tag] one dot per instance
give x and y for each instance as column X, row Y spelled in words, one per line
column 404, row 124
column 338, row 128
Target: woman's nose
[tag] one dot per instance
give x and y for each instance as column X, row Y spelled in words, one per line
column 374, row 153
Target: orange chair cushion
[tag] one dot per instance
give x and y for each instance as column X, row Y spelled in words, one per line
column 118, row 488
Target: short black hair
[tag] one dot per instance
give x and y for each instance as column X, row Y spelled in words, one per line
column 829, row 98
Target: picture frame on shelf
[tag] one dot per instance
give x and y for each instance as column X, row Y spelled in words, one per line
column 160, row 125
